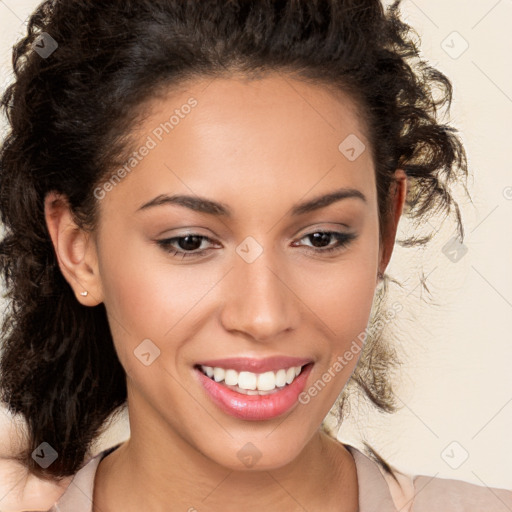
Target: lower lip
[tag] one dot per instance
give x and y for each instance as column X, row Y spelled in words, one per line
column 255, row 407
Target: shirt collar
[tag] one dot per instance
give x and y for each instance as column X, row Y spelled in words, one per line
column 374, row 493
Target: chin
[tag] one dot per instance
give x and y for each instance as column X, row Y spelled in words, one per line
column 268, row 451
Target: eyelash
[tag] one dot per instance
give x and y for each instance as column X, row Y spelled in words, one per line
column 343, row 239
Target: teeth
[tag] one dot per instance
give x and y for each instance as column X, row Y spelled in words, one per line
column 253, row 382
column 266, row 381
column 280, row 378
column 231, row 378
column 219, row 374
column 247, row 380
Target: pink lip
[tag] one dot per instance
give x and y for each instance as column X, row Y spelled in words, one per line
column 248, row 364
column 254, row 407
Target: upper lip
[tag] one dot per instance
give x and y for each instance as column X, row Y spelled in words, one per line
column 249, row 364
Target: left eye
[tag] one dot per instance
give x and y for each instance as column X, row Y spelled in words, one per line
column 189, row 245
column 320, row 237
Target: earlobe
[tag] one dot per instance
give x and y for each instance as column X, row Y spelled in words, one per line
column 398, row 196
column 74, row 249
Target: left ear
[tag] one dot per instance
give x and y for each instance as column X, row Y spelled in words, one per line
column 398, row 191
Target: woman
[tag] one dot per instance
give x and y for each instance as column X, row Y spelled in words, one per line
column 200, row 201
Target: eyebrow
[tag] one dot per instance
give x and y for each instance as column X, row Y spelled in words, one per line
column 204, row 205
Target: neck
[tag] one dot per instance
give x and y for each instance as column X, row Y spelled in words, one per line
column 146, row 475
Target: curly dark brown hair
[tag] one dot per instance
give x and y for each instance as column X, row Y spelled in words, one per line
column 70, row 115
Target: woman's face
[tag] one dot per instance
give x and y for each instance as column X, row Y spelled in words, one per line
column 254, row 283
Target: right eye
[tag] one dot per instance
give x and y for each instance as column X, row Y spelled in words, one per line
column 188, row 245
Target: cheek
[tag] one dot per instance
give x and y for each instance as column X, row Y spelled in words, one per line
column 342, row 293
column 145, row 295
column 342, row 296
column 343, row 299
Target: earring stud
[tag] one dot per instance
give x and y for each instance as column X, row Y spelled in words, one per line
column 84, row 293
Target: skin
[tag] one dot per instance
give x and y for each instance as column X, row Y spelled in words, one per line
column 259, row 147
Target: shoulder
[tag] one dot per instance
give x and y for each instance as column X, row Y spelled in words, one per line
column 447, row 494
column 71, row 494
column 423, row 493
column 79, row 495
column 20, row 491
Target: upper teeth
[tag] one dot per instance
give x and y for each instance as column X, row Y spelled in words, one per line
column 247, row 380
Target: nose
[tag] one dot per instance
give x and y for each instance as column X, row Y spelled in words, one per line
column 260, row 299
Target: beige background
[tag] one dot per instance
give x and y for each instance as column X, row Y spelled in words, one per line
column 456, row 385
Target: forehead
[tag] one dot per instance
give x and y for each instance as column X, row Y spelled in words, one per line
column 252, row 137
column 263, row 106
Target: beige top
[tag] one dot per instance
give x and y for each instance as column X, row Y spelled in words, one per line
column 378, row 491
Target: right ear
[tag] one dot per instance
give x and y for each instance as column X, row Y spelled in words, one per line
column 75, row 250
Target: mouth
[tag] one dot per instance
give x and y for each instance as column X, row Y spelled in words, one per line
column 249, row 383
column 254, row 396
